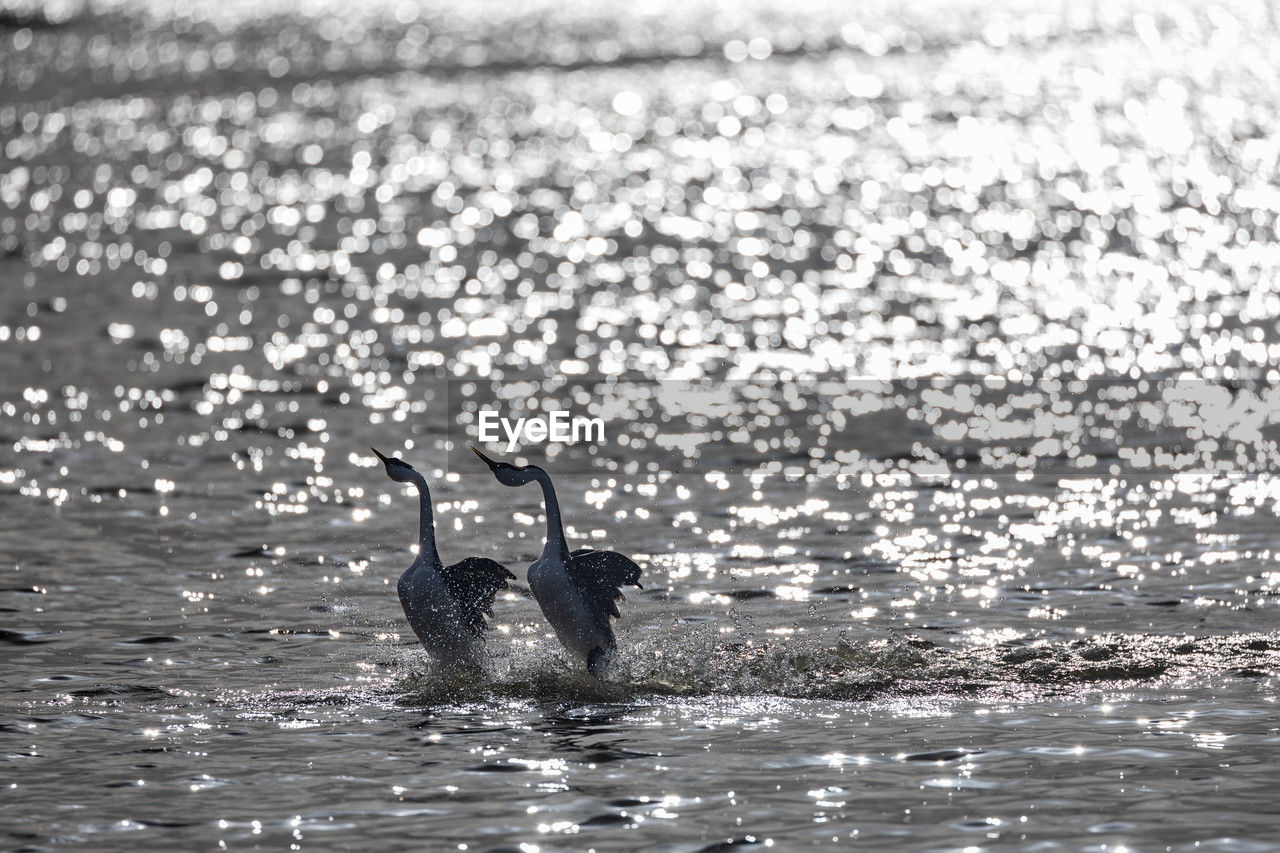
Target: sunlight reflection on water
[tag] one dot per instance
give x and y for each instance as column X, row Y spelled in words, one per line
column 937, row 355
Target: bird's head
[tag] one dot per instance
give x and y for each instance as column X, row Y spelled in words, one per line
column 397, row 469
column 507, row 474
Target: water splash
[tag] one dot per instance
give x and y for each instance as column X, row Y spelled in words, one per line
column 700, row 664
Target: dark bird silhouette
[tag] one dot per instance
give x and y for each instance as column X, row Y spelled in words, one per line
column 578, row 591
column 445, row 605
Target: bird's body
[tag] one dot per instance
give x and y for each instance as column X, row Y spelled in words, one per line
column 445, row 605
column 578, row 629
column 577, row 591
column 436, row 615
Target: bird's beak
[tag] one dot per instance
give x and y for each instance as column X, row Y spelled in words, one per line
column 486, row 459
column 384, row 459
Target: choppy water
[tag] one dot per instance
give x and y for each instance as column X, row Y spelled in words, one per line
column 937, row 350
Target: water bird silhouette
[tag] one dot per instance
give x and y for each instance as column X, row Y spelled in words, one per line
column 578, row 591
column 445, row 605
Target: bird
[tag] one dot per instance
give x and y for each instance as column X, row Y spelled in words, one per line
column 579, row 590
column 446, row 605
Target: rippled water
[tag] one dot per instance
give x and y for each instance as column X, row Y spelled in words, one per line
column 937, row 349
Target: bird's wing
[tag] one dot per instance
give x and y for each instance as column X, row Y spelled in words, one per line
column 598, row 574
column 473, row 583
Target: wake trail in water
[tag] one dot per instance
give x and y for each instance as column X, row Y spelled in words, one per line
column 701, row 664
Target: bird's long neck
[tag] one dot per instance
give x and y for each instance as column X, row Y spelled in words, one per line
column 426, row 523
column 556, row 544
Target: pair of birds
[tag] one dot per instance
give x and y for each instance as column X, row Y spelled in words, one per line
column 578, row 591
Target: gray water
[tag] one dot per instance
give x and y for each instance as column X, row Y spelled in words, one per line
column 937, row 351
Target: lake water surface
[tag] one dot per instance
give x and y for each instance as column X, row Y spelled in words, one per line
column 936, row 350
